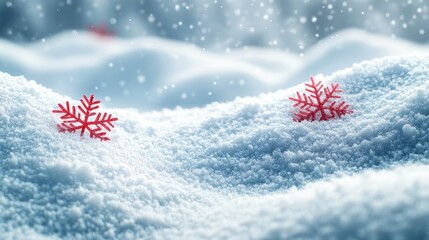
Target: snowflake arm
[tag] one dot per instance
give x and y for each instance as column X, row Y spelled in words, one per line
column 304, row 101
column 104, row 122
column 339, row 110
column 69, row 117
column 331, row 93
column 305, row 114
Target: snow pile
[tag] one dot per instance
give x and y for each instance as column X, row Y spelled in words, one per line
column 152, row 73
column 241, row 169
column 373, row 205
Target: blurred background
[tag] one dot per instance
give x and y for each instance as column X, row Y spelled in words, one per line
column 284, row 29
column 217, row 24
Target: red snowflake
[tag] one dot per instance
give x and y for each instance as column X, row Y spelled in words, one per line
column 72, row 120
column 318, row 105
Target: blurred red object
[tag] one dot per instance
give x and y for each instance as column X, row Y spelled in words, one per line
column 101, row 30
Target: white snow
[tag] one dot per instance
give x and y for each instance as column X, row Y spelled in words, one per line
column 150, row 73
column 241, row 169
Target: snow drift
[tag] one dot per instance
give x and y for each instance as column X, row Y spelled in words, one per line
column 152, row 73
column 241, row 169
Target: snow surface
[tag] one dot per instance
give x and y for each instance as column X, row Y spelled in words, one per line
column 151, row 73
column 241, row 169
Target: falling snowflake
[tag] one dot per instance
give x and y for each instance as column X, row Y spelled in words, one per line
column 319, row 104
column 82, row 119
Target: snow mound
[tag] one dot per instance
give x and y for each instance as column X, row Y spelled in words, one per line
column 241, row 169
column 373, row 205
column 151, row 73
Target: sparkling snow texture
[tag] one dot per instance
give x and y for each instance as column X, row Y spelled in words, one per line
column 241, row 169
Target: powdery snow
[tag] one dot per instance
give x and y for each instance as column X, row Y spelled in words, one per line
column 241, row 169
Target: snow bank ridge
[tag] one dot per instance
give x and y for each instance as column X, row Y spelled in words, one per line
column 151, row 73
